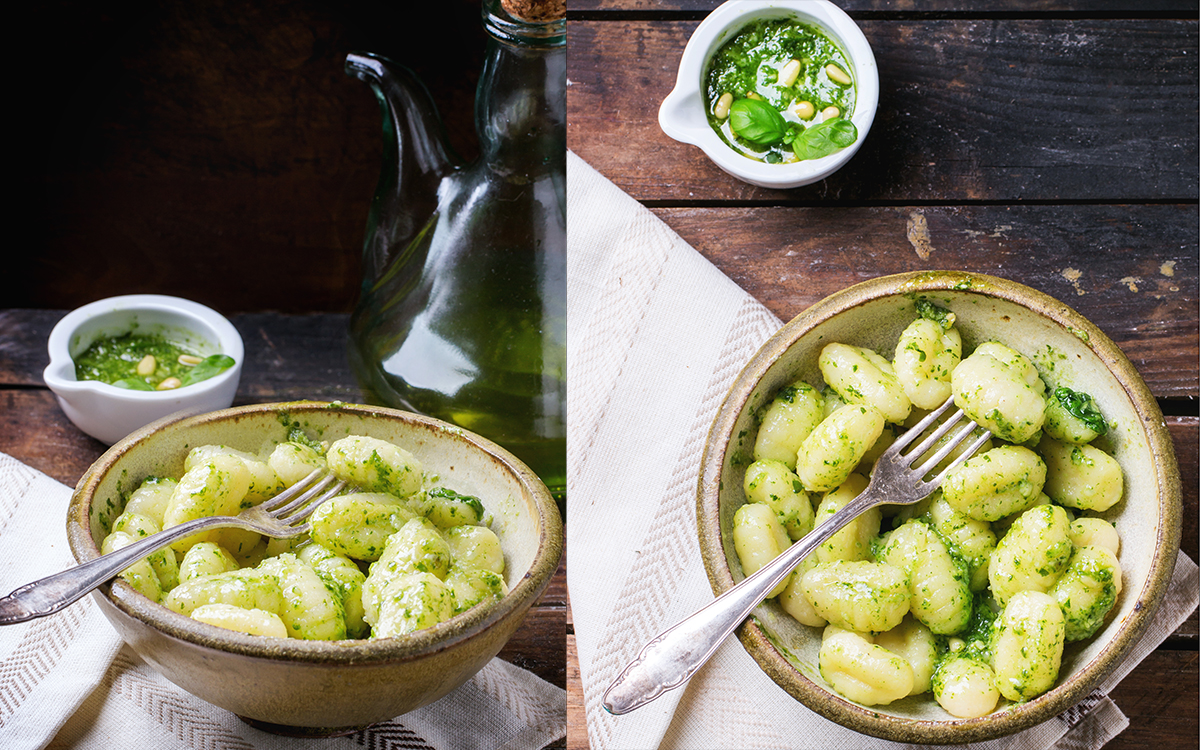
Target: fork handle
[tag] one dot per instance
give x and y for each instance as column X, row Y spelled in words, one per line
column 672, row 657
column 50, row 594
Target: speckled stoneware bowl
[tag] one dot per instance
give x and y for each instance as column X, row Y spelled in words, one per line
column 311, row 687
column 1068, row 350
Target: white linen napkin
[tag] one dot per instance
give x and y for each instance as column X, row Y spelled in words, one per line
column 657, row 335
column 66, row 681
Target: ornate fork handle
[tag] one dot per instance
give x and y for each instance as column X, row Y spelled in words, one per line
column 674, row 656
column 48, row 595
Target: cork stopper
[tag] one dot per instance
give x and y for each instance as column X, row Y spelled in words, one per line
column 536, row 11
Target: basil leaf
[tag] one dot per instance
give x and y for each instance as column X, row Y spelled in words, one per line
column 756, row 121
column 1082, row 407
column 472, row 501
column 824, row 138
column 208, row 367
column 133, row 384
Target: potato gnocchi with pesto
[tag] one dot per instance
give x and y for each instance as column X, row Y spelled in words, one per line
column 971, row 595
column 396, row 553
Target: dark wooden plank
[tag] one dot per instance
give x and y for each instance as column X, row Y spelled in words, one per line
column 995, row 110
column 1183, row 8
column 34, row 430
column 1130, row 270
column 23, row 337
column 539, row 646
column 1160, row 698
column 290, row 357
column 577, row 738
column 216, row 151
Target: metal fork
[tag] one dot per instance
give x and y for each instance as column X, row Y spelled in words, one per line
column 282, row 517
column 667, row 661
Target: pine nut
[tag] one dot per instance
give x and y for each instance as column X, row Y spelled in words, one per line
column 189, row 360
column 753, row 95
column 721, row 110
column 789, row 72
column 830, row 112
column 837, row 75
column 169, row 384
column 147, row 365
column 805, row 110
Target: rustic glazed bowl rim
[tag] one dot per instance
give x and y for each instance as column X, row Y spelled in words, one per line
column 440, row 637
column 1014, row 718
column 678, row 118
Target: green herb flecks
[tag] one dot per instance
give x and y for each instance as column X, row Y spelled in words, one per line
column 936, row 313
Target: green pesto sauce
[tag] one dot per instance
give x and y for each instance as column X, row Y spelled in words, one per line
column 750, row 62
column 114, row 360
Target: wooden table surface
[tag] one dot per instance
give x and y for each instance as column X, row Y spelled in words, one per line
column 1053, row 143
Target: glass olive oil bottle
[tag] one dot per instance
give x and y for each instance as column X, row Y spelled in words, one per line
column 462, row 311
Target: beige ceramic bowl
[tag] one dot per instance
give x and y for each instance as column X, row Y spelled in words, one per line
column 1069, row 351
column 311, row 687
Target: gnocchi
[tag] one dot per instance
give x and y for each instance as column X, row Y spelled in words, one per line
column 965, row 687
column 791, row 416
column 971, row 594
column 860, row 596
column 758, row 538
column 1081, row 476
column 772, row 483
column 1087, row 590
column 995, row 484
column 834, row 448
column 861, row 670
column 997, row 396
column 861, row 376
column 1028, row 645
column 925, row 356
column 397, row 553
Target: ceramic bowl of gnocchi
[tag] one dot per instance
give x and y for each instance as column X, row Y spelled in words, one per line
column 407, row 583
column 1006, row 596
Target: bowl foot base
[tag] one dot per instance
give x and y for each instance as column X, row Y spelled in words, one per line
column 287, row 730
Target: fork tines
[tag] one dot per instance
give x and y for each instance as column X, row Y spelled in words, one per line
column 922, row 449
column 300, row 494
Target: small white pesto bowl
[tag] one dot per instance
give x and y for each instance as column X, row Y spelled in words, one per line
column 109, row 413
column 683, row 117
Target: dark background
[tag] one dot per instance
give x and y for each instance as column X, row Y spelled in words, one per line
column 212, row 149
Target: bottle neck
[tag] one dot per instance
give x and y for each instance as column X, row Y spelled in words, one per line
column 521, row 103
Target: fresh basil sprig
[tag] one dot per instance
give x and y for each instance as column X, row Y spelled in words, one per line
column 1082, row 407
column 824, row 138
column 756, row 121
column 207, row 367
